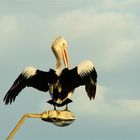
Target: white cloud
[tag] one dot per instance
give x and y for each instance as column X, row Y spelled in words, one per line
column 109, row 29
column 7, row 25
column 104, row 108
column 118, row 55
column 115, row 34
column 118, row 5
column 81, row 102
column 89, row 21
column 123, row 109
column 129, row 106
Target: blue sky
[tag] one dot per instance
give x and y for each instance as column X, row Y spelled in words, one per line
column 103, row 31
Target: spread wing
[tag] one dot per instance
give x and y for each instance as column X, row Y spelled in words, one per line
column 83, row 74
column 30, row 77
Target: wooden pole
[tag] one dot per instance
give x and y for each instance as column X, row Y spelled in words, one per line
column 21, row 122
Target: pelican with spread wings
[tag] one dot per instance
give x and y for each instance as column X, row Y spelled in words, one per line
column 60, row 82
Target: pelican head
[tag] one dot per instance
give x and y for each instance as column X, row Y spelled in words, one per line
column 59, row 48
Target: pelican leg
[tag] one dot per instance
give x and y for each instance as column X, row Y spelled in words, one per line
column 66, row 107
column 54, row 107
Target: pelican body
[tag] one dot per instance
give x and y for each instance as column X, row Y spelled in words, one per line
column 60, row 82
column 82, row 75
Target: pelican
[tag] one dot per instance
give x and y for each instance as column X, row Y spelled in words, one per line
column 60, row 82
column 38, row 79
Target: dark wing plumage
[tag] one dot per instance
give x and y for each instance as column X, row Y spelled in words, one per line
column 30, row 77
column 83, row 74
column 91, row 84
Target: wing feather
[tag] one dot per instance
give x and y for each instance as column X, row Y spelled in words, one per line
column 30, row 77
column 90, row 87
column 83, row 74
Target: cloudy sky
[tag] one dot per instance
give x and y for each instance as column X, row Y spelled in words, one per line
column 104, row 31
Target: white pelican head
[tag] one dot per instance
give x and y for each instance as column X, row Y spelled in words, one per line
column 59, row 48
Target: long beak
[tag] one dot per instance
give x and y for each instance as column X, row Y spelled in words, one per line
column 65, row 57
